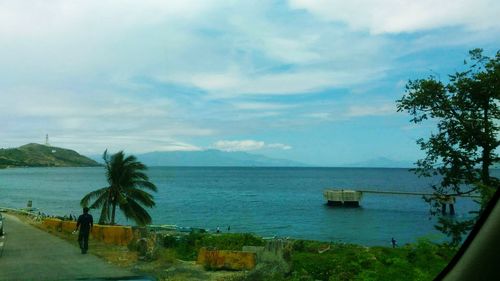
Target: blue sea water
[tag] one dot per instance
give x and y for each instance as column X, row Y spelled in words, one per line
column 286, row 202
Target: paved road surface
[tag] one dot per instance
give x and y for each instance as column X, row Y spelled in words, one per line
column 32, row 254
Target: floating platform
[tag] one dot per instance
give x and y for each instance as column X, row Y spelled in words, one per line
column 348, row 198
column 352, row 198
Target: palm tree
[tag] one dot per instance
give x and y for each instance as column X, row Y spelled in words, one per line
column 127, row 184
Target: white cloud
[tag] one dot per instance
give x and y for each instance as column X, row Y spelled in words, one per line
column 108, row 71
column 230, row 84
column 247, row 145
column 53, row 17
column 279, row 146
column 394, row 16
column 259, row 106
column 40, row 102
column 95, row 121
column 130, row 143
column 239, row 145
column 94, row 143
column 319, row 115
column 371, row 110
column 111, row 40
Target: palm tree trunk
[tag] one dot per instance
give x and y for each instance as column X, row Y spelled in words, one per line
column 113, row 213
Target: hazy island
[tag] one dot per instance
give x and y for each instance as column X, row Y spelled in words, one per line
column 38, row 155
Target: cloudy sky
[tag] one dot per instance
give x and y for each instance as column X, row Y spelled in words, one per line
column 311, row 81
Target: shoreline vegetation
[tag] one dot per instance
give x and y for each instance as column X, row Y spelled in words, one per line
column 172, row 255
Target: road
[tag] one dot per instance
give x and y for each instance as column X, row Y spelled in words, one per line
column 32, row 254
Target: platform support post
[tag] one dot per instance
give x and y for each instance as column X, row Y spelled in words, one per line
column 443, row 208
column 452, row 209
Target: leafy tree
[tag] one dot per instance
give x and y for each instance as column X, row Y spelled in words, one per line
column 127, row 184
column 463, row 148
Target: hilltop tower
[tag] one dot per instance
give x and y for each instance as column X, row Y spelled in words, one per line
column 47, row 140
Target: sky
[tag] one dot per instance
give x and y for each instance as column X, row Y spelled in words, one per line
column 310, row 81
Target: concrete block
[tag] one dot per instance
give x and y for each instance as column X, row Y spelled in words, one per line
column 68, row 226
column 110, row 234
column 223, row 259
column 113, row 234
column 54, row 224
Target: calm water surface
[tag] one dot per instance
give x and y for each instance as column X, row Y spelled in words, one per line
column 266, row 201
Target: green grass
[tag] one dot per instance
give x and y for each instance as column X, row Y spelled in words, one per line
column 187, row 246
column 420, row 261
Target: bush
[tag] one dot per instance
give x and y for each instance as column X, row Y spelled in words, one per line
column 170, row 241
column 132, row 246
column 299, row 246
column 312, row 266
column 429, row 257
column 309, row 246
column 340, row 262
column 167, row 255
column 231, row 241
column 187, row 247
column 264, row 272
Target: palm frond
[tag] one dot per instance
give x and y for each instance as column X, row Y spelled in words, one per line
column 100, row 201
column 136, row 212
column 91, row 195
column 146, row 185
column 142, row 196
column 139, row 175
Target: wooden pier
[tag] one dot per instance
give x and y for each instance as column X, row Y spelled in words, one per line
column 352, row 198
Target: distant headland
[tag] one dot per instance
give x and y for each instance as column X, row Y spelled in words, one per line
column 38, row 155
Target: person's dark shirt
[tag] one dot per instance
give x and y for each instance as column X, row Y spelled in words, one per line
column 85, row 222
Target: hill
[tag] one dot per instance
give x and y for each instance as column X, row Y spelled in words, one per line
column 212, row 158
column 37, row 155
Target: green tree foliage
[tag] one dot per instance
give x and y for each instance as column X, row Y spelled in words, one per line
column 463, row 148
column 127, row 187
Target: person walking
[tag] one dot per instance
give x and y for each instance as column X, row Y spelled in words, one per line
column 394, row 242
column 84, row 224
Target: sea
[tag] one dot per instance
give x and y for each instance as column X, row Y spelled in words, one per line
column 271, row 202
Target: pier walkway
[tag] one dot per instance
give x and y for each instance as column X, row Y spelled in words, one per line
column 346, row 197
column 413, row 193
column 31, row 254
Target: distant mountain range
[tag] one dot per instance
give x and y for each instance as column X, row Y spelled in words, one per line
column 211, row 157
column 381, row 162
column 38, row 155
